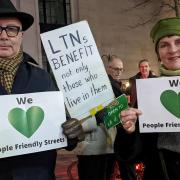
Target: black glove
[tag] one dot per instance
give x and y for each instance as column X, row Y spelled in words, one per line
column 72, row 128
column 100, row 116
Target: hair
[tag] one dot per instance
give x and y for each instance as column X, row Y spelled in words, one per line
column 143, row 60
column 111, row 58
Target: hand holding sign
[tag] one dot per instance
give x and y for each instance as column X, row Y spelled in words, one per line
column 129, row 117
column 72, row 128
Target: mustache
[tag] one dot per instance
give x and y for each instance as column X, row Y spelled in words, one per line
column 5, row 43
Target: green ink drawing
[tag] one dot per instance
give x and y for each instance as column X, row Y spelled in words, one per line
column 26, row 122
column 171, row 101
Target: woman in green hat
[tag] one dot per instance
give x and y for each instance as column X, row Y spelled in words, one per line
column 162, row 147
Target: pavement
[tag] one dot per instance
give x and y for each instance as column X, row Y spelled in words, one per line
column 66, row 166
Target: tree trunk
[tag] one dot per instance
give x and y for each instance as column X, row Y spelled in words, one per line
column 177, row 8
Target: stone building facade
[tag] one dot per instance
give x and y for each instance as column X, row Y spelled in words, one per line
column 114, row 24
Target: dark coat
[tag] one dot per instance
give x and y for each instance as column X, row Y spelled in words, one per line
column 35, row 166
column 116, row 87
column 140, row 147
column 132, row 88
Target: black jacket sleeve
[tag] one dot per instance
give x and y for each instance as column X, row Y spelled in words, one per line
column 127, row 147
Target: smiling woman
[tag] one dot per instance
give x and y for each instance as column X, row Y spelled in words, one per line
column 160, row 151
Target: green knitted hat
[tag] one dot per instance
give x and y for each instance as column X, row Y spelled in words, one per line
column 165, row 27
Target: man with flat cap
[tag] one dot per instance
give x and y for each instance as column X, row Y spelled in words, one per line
column 19, row 76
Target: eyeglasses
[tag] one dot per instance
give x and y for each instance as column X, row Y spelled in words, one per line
column 11, row 31
column 117, row 69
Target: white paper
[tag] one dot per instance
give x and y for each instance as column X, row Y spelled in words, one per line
column 78, row 68
column 47, row 108
column 154, row 96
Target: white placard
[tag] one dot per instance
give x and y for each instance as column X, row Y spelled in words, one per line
column 159, row 100
column 78, row 68
column 31, row 123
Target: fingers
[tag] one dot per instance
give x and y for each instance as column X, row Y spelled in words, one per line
column 131, row 111
column 129, row 118
column 129, row 126
column 69, row 123
column 73, row 129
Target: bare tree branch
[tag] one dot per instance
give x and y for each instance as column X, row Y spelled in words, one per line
column 144, row 22
column 173, row 6
column 143, row 3
column 168, row 5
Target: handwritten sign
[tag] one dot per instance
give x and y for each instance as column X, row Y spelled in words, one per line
column 159, row 100
column 30, row 124
column 111, row 118
column 78, row 68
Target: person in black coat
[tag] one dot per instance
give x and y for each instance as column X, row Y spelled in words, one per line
column 114, row 70
column 161, row 151
column 19, row 74
column 144, row 73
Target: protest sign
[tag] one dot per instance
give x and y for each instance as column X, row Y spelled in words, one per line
column 30, row 124
column 78, row 69
column 159, row 100
column 111, row 117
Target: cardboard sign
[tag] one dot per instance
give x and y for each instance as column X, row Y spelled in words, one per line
column 159, row 100
column 30, row 124
column 112, row 111
column 78, row 68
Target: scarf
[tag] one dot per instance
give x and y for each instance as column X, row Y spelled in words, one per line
column 165, row 72
column 8, row 69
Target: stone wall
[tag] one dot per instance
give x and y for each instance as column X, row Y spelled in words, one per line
column 112, row 23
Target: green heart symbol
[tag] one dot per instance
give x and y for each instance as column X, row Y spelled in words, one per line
column 171, row 101
column 26, row 122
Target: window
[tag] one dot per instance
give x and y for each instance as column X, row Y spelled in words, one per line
column 53, row 14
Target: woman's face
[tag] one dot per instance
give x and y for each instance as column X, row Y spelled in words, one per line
column 169, row 52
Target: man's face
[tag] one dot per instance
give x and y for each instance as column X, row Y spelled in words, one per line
column 144, row 69
column 169, row 52
column 115, row 69
column 9, row 46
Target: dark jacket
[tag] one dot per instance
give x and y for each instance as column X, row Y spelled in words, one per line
column 35, row 166
column 116, row 87
column 132, row 88
column 140, row 147
column 134, row 148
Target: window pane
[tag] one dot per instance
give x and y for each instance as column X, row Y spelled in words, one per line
column 52, row 11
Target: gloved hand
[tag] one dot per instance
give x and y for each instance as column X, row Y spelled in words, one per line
column 72, row 128
column 100, row 116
